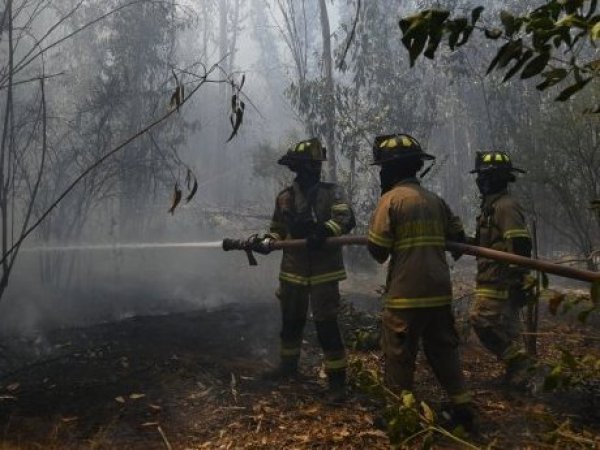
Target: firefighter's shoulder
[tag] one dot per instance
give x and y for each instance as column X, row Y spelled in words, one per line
column 288, row 191
column 506, row 202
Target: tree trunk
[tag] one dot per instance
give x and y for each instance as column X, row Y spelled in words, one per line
column 329, row 92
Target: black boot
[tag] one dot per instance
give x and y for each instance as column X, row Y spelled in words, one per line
column 465, row 416
column 287, row 370
column 336, row 393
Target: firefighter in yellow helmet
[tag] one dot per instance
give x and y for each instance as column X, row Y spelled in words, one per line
column 313, row 210
column 502, row 290
column 410, row 227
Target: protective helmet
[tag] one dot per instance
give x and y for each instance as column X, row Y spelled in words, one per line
column 304, row 151
column 492, row 161
column 393, row 147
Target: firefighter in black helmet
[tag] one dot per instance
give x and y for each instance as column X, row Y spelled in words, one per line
column 410, row 226
column 313, row 210
column 502, row 290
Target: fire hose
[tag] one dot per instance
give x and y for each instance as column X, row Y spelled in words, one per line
column 466, row 249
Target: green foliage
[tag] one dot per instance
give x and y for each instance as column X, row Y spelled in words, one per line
column 532, row 41
column 408, row 421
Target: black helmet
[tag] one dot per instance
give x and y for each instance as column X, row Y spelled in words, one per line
column 309, row 150
column 492, row 161
column 393, row 147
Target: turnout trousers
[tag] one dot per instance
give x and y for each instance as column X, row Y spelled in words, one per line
column 434, row 326
column 324, row 301
column 498, row 326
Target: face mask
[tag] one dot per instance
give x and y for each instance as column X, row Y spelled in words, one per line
column 490, row 184
column 308, row 176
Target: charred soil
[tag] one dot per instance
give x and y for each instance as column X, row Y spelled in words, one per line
column 192, row 380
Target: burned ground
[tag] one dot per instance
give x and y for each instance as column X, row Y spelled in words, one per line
column 192, row 380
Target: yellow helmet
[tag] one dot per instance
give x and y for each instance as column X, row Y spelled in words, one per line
column 304, row 151
column 494, row 160
column 392, row 147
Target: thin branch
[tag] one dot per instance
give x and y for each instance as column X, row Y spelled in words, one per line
column 351, row 37
column 100, row 161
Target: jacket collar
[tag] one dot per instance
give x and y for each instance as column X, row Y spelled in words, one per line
column 405, row 181
column 489, row 200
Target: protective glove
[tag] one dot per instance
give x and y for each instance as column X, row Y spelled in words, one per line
column 461, row 239
column 260, row 244
column 524, row 292
column 316, row 239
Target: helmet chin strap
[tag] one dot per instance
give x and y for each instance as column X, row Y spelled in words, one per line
column 426, row 171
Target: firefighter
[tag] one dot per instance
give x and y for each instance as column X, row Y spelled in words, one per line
column 501, row 290
column 410, row 227
column 313, row 210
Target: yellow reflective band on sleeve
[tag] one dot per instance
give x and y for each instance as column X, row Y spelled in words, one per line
column 417, row 302
column 498, row 294
column 335, row 364
column 380, row 240
column 314, row 280
column 340, row 207
column 421, row 241
column 487, row 158
column 516, row 233
column 334, row 227
column 461, row 399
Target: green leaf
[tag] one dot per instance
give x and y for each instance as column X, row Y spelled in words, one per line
column 552, row 78
column 595, row 32
column 493, row 33
column 592, row 10
column 518, row 65
column 415, row 30
column 536, row 66
column 514, row 51
column 572, row 90
column 504, row 55
column 545, row 280
column 476, row 14
column 509, row 22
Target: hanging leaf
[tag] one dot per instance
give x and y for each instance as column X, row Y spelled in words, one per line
column 192, row 192
column 176, row 98
column 176, row 199
column 518, row 65
column 239, row 117
column 182, row 94
column 509, row 22
column 476, row 14
column 494, row 33
column 545, row 280
column 514, row 51
column 572, row 90
column 233, row 102
column 188, row 178
column 536, row 65
column 242, row 82
column 505, row 49
column 552, row 77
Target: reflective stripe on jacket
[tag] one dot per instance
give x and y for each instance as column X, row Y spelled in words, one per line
column 311, row 267
column 500, row 222
column 414, row 224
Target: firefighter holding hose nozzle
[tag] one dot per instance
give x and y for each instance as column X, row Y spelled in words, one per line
column 313, row 210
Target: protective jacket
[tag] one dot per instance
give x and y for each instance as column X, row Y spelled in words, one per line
column 325, row 205
column 500, row 226
column 414, row 224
